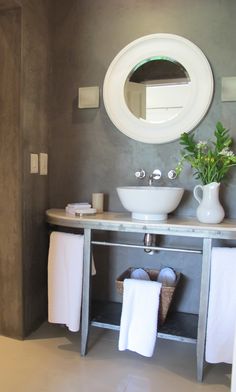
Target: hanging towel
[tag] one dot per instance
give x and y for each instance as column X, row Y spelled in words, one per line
column 221, row 321
column 65, row 270
column 233, row 378
column 138, row 328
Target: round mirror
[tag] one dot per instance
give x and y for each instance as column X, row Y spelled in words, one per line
column 158, row 87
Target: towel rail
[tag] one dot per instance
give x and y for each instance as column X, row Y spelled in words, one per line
column 126, row 245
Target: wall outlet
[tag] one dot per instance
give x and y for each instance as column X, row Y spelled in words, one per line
column 43, row 164
column 34, row 163
column 228, row 91
column 88, row 97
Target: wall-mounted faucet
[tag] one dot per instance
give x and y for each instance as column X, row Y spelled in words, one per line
column 156, row 175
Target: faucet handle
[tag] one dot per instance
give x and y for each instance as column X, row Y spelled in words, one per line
column 172, row 174
column 140, row 173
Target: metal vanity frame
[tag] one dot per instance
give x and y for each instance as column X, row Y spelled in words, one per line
column 122, row 222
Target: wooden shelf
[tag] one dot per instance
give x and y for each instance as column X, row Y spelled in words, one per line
column 178, row 326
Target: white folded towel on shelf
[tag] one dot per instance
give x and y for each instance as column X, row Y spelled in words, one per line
column 79, row 205
column 138, row 327
column 73, row 207
column 221, row 321
column 65, row 271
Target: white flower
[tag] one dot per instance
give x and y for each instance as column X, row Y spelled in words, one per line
column 201, row 144
column 226, row 152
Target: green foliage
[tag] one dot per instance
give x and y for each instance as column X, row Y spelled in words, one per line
column 210, row 160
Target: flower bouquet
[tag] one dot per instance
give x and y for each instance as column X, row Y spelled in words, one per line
column 210, row 161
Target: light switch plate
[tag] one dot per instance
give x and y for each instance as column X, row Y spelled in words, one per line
column 228, row 89
column 88, row 97
column 43, row 164
column 34, row 163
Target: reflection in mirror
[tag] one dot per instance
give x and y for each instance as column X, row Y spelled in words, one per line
column 157, row 89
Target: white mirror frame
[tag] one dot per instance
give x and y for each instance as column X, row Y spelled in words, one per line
column 182, row 51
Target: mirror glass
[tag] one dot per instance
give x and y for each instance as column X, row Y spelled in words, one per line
column 157, row 89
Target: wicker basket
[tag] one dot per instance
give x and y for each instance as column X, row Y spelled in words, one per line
column 166, row 295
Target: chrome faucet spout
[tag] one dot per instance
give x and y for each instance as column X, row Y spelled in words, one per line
column 150, row 180
column 156, row 175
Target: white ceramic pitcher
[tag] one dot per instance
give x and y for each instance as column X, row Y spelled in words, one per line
column 209, row 210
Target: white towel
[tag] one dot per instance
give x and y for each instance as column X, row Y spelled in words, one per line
column 233, row 379
column 221, row 321
column 138, row 328
column 65, row 270
column 72, row 208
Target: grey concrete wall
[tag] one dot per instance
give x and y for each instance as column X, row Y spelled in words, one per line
column 24, row 100
column 88, row 154
column 11, row 303
column 35, row 100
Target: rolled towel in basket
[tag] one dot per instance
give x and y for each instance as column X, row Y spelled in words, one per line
column 167, row 276
column 139, row 273
column 138, row 328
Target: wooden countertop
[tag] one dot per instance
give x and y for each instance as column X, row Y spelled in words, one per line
column 119, row 221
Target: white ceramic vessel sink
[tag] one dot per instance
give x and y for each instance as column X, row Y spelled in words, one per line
column 149, row 202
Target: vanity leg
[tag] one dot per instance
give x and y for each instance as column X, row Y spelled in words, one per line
column 203, row 307
column 86, row 292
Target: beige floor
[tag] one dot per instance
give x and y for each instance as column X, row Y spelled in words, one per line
column 49, row 361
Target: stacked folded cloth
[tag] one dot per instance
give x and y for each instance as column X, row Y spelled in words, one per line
column 79, row 209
